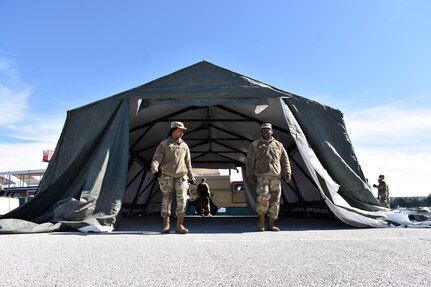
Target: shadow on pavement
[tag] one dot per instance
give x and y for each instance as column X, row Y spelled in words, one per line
column 225, row 224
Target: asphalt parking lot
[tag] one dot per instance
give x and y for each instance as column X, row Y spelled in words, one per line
column 220, row 251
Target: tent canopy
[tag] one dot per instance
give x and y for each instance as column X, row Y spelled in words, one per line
column 102, row 160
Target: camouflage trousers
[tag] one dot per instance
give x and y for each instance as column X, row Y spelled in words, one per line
column 384, row 199
column 268, row 196
column 170, row 185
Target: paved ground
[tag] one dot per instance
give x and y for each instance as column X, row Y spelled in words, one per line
column 220, row 251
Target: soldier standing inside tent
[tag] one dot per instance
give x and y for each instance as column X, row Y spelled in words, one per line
column 173, row 158
column 382, row 191
column 267, row 163
column 204, row 193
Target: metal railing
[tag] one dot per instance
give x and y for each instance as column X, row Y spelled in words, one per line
column 20, row 184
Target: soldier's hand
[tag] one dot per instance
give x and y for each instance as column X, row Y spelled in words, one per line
column 153, row 170
column 193, row 180
column 374, row 185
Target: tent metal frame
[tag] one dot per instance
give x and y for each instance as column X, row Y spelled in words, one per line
column 208, row 124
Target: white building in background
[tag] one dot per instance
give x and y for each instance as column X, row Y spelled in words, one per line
column 17, row 187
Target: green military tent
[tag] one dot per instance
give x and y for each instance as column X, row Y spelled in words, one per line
column 101, row 163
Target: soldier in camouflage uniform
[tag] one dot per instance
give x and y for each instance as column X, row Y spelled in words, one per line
column 267, row 163
column 172, row 157
column 382, row 191
column 204, row 194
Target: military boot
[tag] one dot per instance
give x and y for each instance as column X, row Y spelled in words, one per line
column 271, row 226
column 261, row 226
column 166, row 224
column 180, row 227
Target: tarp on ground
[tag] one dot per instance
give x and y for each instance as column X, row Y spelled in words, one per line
column 100, row 166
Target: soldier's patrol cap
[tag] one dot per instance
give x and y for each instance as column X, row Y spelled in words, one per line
column 266, row 126
column 178, row 125
column 382, row 176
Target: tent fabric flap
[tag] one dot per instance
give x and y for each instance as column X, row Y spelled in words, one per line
column 330, row 190
column 85, row 180
column 326, row 133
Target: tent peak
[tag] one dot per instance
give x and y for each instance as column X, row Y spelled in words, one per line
column 203, row 80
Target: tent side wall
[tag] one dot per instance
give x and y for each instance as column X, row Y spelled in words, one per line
column 326, row 132
column 91, row 155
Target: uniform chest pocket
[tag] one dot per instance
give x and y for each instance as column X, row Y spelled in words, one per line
column 174, row 147
column 263, row 148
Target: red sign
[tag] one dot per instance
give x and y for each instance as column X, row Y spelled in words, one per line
column 47, row 154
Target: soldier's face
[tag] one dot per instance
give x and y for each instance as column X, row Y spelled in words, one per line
column 266, row 133
column 178, row 133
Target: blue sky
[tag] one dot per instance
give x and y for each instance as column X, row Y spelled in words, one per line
column 369, row 58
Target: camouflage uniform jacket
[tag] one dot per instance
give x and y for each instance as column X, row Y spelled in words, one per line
column 173, row 158
column 383, row 188
column 268, row 158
